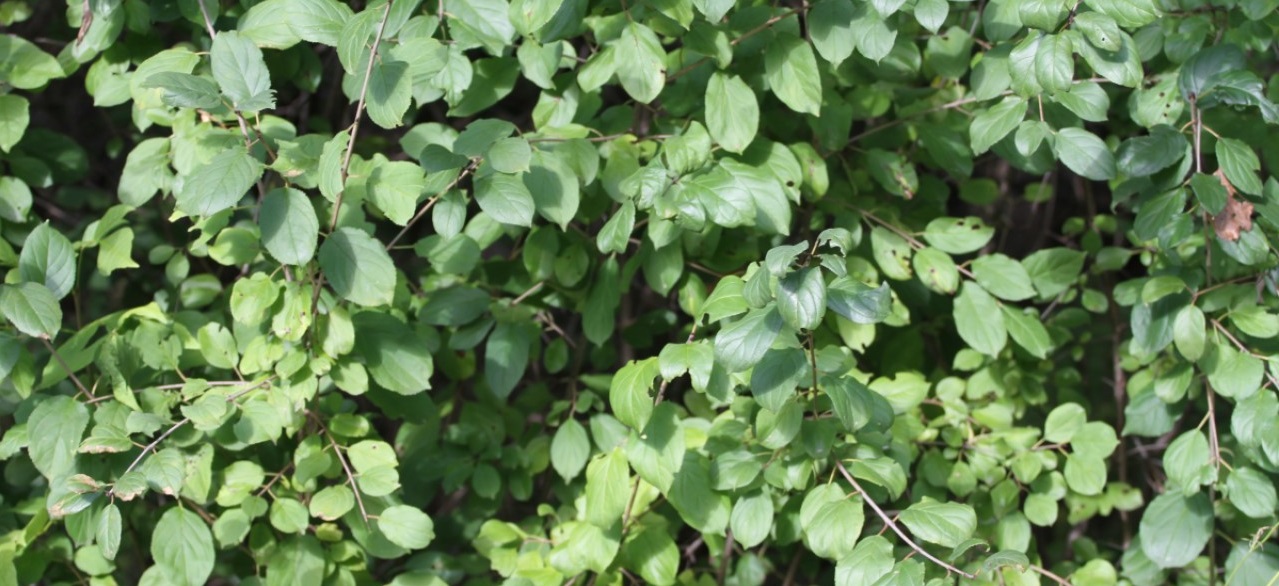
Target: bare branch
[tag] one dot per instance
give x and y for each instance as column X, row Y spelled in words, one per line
column 893, row 524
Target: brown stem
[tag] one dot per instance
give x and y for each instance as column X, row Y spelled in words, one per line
column 893, row 524
column 63, row 363
column 346, row 467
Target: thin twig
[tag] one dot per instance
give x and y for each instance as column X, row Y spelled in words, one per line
column 147, row 449
column 63, row 363
column 746, row 35
column 350, row 477
column 431, row 203
column 1214, row 443
column 893, row 524
column 359, row 113
column 910, row 238
column 531, row 290
column 1050, row 575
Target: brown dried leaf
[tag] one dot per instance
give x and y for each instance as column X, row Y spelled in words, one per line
column 1236, row 217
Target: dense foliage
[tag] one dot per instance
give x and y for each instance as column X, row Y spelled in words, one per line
column 639, row 291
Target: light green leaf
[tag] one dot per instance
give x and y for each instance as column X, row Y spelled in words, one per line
column 554, row 188
column 791, row 71
column 732, row 112
column 741, row 344
column 509, row 155
column 116, row 251
column 752, row 518
column 14, row 118
column 108, row 532
column 330, row 168
column 946, row 524
column 31, row 308
column 1252, row 492
column 831, row 29
column 1082, row 152
column 641, row 62
column 607, row 489
column 47, row 257
column 241, row 72
column 394, row 187
column 1003, row 277
column 318, row 21
column 1054, row 63
column 406, row 526
column 183, row 90
column 570, row 450
column 1175, row 528
column 289, row 226
column 628, row 393
column 993, row 124
column 220, row 184
column 1240, row 164
column 182, row 547
column 54, row 430
column 506, row 356
column 832, row 522
column 357, row 267
column 390, row 92
column 979, row 321
column 801, row 298
column 1027, row 331
column 1085, row 475
column 869, row 561
column 505, row 198
column 616, row 233
column 1063, row 422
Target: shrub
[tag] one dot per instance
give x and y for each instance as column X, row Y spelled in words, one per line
column 662, row 291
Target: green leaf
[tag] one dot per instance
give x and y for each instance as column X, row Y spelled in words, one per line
column 1054, row 63
column 25, row 66
column 54, row 430
column 776, row 376
column 616, row 233
column 1122, row 67
column 1027, row 331
column 831, row 29
column 732, row 112
column 1175, row 528
column 182, row 547
column 554, row 188
column 979, row 321
column 509, row 155
column 1232, row 373
column 873, row 35
column 1100, row 29
column 1063, row 422
column 31, row 308
column 116, row 251
column 318, row 21
column 946, row 524
column 936, row 270
column 570, row 450
column 1210, row 192
column 832, row 522
column 743, row 343
column 108, row 531
column 752, row 518
column 1187, row 462
column 241, row 72
column 330, row 168
column 1146, row 155
column 641, row 62
column 1189, row 333
column 505, row 198
column 396, row 356
column 994, row 123
column 296, row 560
column 628, row 393
column 607, row 489
column 1128, row 13
column 1198, row 74
column 1240, row 165
column 394, row 187
column 857, row 302
column 48, row 258
column 406, row 526
column 15, row 116
column 289, row 226
column 357, row 267
column 1085, row 475
column 183, row 90
column 654, row 555
column 1096, row 439
column 1252, row 492
column 791, row 71
column 801, row 298
column 390, row 92
column 1003, row 277
column 220, row 184
column 506, row 356
column 869, row 561
column 1082, row 152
